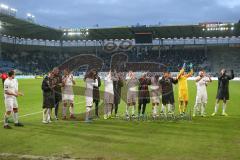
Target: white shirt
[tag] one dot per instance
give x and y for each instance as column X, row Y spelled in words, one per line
column 10, row 85
column 68, row 83
column 132, row 83
column 154, row 84
column 69, row 80
column 90, row 83
column 108, row 85
column 202, row 85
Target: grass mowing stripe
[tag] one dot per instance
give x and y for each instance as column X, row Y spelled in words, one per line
column 26, row 115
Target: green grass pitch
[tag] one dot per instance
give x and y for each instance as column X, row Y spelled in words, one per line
column 202, row 138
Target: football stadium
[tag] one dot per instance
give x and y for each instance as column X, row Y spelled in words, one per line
column 164, row 91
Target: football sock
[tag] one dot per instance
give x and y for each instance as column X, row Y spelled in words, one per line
column 71, row 110
column 180, row 108
column 139, row 108
column 88, row 109
column 48, row 114
column 116, row 109
column 196, row 107
column 155, row 110
column 110, row 106
column 15, row 117
column 105, row 109
column 144, row 108
column 111, row 110
column 56, row 109
column 96, row 108
column 6, row 117
column 133, row 110
column 203, row 108
column 45, row 116
column 163, row 108
column 224, row 107
column 64, row 111
column 127, row 108
column 216, row 108
column 184, row 108
column 169, row 108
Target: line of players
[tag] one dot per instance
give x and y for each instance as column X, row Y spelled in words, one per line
column 56, row 88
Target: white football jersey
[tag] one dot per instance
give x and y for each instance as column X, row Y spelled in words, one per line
column 108, row 82
column 67, row 89
column 90, row 83
column 131, row 83
column 68, row 80
column 202, row 85
column 154, row 84
column 12, row 86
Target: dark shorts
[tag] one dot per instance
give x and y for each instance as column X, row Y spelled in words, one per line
column 48, row 100
column 223, row 95
column 167, row 99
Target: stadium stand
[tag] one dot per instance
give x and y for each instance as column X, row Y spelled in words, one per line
column 36, row 49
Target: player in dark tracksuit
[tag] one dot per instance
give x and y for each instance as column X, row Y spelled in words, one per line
column 166, row 88
column 96, row 93
column 117, row 85
column 57, row 90
column 223, row 90
column 143, row 94
column 48, row 98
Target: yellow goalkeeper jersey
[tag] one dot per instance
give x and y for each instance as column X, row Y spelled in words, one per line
column 183, row 86
column 182, row 80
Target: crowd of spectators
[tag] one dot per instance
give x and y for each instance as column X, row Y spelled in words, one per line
column 38, row 61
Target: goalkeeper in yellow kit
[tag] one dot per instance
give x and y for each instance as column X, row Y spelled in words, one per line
column 183, row 88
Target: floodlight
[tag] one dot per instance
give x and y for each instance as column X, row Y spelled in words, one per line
column 13, row 9
column 4, row 6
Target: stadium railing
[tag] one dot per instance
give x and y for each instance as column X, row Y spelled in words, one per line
column 93, row 43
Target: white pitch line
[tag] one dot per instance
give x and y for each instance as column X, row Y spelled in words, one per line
column 26, row 115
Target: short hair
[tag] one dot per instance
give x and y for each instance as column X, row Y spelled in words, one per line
column 11, row 73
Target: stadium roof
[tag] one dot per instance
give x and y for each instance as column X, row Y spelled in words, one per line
column 158, row 32
column 12, row 26
column 21, row 28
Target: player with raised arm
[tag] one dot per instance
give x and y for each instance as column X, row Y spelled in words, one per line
column 10, row 94
column 183, row 88
column 108, row 95
column 223, row 91
column 201, row 99
column 166, row 88
column 91, row 81
column 67, row 94
column 131, row 83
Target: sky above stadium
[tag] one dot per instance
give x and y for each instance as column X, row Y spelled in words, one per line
column 106, row 13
